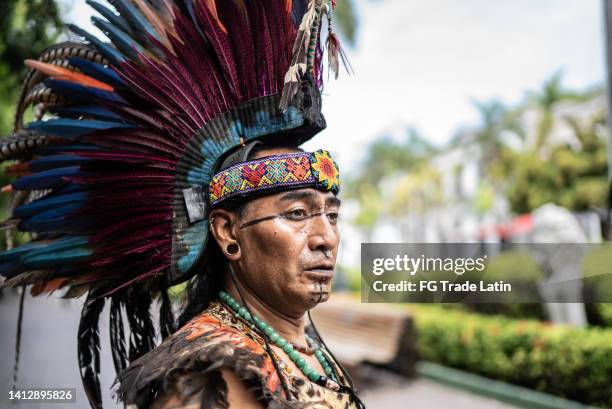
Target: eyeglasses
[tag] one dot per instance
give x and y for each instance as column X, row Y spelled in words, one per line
column 298, row 218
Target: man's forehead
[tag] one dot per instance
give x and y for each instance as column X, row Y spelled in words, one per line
column 309, row 195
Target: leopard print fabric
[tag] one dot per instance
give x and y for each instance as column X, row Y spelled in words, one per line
column 189, row 361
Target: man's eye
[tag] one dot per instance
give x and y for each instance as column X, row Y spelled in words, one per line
column 333, row 217
column 296, row 214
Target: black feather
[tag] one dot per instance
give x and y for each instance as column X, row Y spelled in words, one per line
column 89, row 348
column 142, row 330
column 167, row 322
column 117, row 335
column 214, row 392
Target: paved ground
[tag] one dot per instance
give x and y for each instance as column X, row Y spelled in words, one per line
column 397, row 393
column 48, row 350
column 49, row 359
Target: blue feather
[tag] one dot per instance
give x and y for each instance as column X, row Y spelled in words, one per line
column 59, row 226
column 86, row 110
column 124, row 43
column 97, row 71
column 56, row 161
column 47, row 179
column 51, row 220
column 116, row 20
column 70, row 188
column 63, row 244
column 297, row 11
column 16, row 252
column 54, row 149
column 10, row 269
column 47, row 203
column 54, row 213
column 114, row 56
column 72, row 128
column 81, row 93
column 57, row 259
column 134, row 18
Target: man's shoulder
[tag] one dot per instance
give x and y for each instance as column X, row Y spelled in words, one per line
column 190, row 357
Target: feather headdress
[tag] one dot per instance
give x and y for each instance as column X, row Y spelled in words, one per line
column 122, row 127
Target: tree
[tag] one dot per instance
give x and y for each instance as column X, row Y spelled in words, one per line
column 574, row 179
column 346, row 19
column 416, row 191
column 26, row 28
column 385, row 158
column 496, row 120
column 545, row 101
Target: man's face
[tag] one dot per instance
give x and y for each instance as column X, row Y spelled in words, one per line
column 289, row 260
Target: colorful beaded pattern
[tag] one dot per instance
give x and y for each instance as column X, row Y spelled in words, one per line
column 300, row 169
column 325, row 170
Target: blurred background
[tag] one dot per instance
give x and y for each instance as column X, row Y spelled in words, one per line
column 464, row 121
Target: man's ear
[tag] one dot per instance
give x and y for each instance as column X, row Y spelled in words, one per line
column 223, row 228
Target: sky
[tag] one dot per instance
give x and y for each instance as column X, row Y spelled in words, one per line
column 423, row 63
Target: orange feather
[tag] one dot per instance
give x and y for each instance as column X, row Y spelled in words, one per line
column 18, row 169
column 212, row 7
column 65, row 74
column 155, row 21
column 48, row 286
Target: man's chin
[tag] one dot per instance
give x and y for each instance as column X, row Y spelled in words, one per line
column 319, row 294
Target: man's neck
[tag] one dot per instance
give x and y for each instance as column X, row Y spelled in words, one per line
column 290, row 328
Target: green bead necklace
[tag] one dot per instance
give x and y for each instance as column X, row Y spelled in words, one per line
column 285, row 345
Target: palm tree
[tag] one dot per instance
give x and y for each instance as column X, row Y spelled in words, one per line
column 545, row 101
column 346, row 19
column 496, row 119
column 395, row 160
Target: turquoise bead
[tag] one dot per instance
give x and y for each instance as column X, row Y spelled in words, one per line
column 300, row 362
column 307, row 370
column 276, row 339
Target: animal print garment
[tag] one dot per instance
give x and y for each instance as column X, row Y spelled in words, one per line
column 188, row 363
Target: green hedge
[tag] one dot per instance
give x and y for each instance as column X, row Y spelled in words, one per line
column 504, row 267
column 571, row 363
column 605, row 311
column 520, row 266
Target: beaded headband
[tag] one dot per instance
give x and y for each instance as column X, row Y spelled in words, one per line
column 272, row 173
column 302, row 169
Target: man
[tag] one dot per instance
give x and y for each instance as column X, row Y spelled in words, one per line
column 280, row 252
column 169, row 155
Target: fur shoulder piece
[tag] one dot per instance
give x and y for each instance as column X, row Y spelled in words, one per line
column 188, row 362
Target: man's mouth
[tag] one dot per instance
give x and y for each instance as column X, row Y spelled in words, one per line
column 320, row 272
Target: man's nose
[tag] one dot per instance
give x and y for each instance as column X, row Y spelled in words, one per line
column 323, row 234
